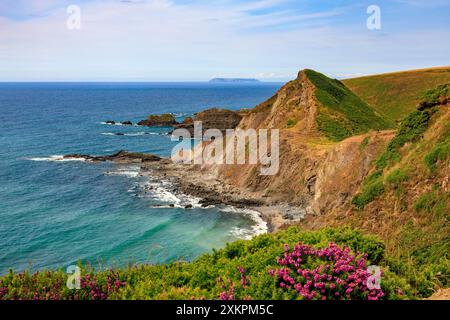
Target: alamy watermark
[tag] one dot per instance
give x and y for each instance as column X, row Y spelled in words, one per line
column 374, row 281
column 238, row 146
column 74, row 278
column 74, row 20
column 374, row 20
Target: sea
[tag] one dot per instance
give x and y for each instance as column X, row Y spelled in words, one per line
column 55, row 212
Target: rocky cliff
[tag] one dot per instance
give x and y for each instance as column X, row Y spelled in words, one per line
column 322, row 162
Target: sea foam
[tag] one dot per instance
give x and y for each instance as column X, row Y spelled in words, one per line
column 56, row 158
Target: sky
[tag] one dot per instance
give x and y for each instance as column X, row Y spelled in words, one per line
column 196, row 40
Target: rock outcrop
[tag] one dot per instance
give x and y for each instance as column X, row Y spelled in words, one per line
column 214, row 118
column 163, row 120
column 221, row 119
column 121, row 156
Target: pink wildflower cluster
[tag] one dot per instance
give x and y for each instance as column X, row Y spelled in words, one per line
column 3, row 292
column 92, row 289
column 228, row 289
column 340, row 275
column 52, row 286
column 244, row 279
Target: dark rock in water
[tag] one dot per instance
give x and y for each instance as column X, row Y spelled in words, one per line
column 110, row 122
column 189, row 206
column 119, row 134
column 127, row 123
column 163, row 120
column 171, row 205
column 121, row 156
column 214, row 118
column 206, row 202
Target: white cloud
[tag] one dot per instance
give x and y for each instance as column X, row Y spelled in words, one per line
column 161, row 40
column 422, row 3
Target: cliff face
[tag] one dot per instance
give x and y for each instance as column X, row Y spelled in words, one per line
column 316, row 172
column 221, row 119
column 214, row 118
column 294, row 105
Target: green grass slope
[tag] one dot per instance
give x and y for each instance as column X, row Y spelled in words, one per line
column 395, row 95
column 407, row 192
column 341, row 113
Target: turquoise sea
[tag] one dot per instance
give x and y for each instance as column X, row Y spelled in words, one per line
column 53, row 212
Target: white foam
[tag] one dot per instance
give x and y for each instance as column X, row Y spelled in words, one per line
column 56, row 158
column 136, row 134
column 259, row 227
column 161, row 192
column 130, row 172
column 112, row 124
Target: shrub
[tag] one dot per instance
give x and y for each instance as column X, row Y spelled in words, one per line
column 433, row 201
column 440, row 152
column 372, row 188
column 411, row 130
column 330, row 273
column 397, row 176
column 290, row 123
column 51, row 285
column 432, row 96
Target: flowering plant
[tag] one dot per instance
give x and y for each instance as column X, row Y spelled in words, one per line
column 336, row 273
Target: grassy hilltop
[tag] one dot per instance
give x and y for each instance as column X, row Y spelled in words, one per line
column 341, row 113
column 396, row 94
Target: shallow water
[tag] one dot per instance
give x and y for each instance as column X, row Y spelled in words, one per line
column 54, row 212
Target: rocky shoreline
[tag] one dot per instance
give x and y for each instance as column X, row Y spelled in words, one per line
column 190, row 180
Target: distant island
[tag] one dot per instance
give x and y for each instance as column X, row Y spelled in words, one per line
column 234, row 80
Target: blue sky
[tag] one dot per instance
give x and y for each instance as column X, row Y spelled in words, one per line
column 195, row 40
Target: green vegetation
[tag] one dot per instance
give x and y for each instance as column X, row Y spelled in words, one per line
column 415, row 226
column 411, row 131
column 290, row 123
column 209, row 275
column 395, row 95
column 364, row 143
column 440, row 152
column 397, row 176
column 342, row 114
column 431, row 202
column 432, row 96
column 372, row 187
column 424, row 245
